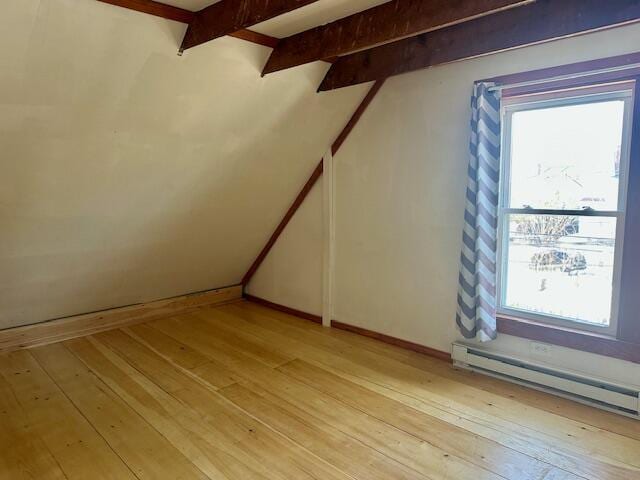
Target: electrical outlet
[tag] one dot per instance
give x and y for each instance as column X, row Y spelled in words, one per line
column 543, row 349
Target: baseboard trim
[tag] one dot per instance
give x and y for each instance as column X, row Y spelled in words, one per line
column 282, row 308
column 87, row 324
column 431, row 352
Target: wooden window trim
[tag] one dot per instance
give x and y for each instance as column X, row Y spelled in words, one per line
column 626, row 344
column 570, row 69
column 569, row 338
column 629, row 305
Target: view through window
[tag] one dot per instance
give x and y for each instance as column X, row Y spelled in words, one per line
column 563, row 190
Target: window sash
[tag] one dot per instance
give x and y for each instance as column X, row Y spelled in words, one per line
column 619, row 92
column 564, row 98
column 566, row 213
column 504, row 309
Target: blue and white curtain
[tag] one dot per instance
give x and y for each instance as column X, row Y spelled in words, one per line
column 476, row 313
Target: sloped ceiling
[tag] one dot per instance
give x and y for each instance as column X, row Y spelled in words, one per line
column 129, row 173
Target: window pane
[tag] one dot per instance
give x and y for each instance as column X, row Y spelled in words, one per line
column 561, row 266
column 567, row 157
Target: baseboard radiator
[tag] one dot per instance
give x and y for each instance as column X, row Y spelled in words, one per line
column 583, row 389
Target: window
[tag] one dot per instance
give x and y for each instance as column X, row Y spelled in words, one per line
column 565, row 163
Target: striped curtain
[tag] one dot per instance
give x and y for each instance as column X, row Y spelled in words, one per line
column 476, row 312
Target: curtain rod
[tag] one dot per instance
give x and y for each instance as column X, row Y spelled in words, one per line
column 570, row 76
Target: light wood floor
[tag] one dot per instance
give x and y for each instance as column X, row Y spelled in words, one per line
column 243, row 392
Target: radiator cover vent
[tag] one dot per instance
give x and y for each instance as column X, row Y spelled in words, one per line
column 592, row 391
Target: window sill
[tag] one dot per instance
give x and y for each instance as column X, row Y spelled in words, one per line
column 569, row 338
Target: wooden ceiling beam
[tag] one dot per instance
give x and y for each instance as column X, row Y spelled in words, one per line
column 384, row 23
column 186, row 16
column 542, row 21
column 228, row 16
column 256, row 37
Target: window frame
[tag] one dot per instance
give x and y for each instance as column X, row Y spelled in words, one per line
column 552, row 98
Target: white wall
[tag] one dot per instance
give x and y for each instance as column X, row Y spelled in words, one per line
column 401, row 178
column 128, row 173
column 291, row 274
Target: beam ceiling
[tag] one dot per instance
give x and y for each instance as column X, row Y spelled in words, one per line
column 384, row 23
column 538, row 22
column 228, row 16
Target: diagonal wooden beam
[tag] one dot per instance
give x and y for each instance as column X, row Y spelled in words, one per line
column 384, row 23
column 186, row 16
column 542, row 21
column 228, row 16
column 315, row 175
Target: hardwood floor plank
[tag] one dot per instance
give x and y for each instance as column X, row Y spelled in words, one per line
column 484, row 454
column 490, row 455
column 185, row 428
column 574, row 411
column 274, row 451
column 514, row 438
column 551, row 403
column 251, row 346
column 56, row 426
column 182, row 355
column 417, row 454
column 147, row 453
column 590, row 448
column 188, row 330
column 244, row 392
column 533, row 418
column 420, row 456
column 328, row 443
column 19, row 441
